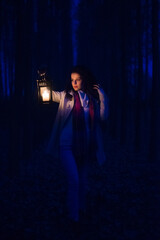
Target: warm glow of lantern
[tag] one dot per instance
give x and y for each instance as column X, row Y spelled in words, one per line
column 45, row 93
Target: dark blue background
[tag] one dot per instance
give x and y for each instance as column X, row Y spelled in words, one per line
column 119, row 42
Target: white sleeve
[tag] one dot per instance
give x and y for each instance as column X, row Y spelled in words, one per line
column 104, row 107
column 56, row 96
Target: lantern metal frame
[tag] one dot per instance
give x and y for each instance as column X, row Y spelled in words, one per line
column 43, row 85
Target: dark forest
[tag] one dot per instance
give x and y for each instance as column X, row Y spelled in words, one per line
column 119, row 41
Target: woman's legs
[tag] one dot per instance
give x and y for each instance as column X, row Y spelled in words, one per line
column 77, row 179
column 71, row 172
column 82, row 170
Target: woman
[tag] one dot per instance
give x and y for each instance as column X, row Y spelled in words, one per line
column 77, row 133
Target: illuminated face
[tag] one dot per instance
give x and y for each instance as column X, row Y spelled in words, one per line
column 76, row 81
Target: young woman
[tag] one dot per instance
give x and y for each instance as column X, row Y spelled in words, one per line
column 77, row 135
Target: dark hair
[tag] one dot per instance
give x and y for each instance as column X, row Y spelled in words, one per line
column 88, row 81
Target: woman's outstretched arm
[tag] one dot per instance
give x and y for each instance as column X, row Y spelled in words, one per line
column 56, row 96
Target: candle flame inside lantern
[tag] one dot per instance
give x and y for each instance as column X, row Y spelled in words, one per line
column 45, row 95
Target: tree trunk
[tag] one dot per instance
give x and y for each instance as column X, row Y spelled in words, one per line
column 139, row 81
column 20, row 128
column 154, row 154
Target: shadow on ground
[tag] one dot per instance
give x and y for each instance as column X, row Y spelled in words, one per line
column 122, row 198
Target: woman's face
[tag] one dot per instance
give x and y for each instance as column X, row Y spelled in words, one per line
column 76, row 81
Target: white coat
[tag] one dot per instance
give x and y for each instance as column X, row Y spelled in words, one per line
column 65, row 107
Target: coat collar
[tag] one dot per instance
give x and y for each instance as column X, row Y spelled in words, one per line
column 71, row 92
column 79, row 91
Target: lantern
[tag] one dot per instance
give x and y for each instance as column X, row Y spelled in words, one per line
column 44, row 88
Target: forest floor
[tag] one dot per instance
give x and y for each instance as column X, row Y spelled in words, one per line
column 123, row 198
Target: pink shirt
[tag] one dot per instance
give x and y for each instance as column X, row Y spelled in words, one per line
column 66, row 134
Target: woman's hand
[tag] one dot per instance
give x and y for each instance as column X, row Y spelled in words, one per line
column 103, row 101
column 96, row 86
column 99, row 89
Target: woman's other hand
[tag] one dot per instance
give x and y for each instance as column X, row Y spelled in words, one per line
column 104, row 111
column 99, row 89
column 96, row 86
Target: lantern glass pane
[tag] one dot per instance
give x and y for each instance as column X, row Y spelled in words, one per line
column 45, row 94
